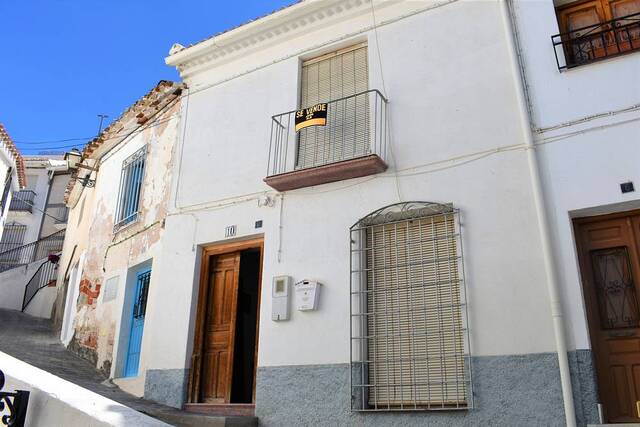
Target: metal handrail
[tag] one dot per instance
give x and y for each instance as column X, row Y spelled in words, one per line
column 596, row 42
column 33, row 251
column 358, row 120
column 40, row 279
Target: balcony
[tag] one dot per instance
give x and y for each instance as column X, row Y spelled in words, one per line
column 348, row 139
column 22, row 201
column 59, row 211
column 597, row 42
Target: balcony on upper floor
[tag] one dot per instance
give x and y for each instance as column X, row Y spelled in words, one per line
column 327, row 142
column 584, row 45
column 22, row 201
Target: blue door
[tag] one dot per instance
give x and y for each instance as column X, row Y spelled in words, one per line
column 137, row 323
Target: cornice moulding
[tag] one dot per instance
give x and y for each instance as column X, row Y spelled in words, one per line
column 272, row 29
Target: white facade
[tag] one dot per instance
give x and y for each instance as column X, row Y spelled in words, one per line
column 587, row 126
column 10, row 176
column 455, row 137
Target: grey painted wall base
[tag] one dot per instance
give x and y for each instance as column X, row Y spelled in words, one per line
column 166, row 386
column 508, row 391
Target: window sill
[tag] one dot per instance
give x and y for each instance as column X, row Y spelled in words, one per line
column 122, row 227
column 346, row 169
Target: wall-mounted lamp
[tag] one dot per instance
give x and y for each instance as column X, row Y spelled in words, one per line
column 74, row 160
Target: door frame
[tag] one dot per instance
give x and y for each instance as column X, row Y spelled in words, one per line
column 195, row 365
column 586, row 285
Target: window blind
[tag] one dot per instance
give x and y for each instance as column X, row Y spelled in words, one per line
column 329, row 78
column 409, row 318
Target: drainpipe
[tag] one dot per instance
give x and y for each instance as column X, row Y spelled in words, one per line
column 543, row 222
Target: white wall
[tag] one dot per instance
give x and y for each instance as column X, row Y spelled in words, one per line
column 584, row 160
column 56, row 402
column 12, row 283
column 40, row 185
column 446, row 74
column 6, row 162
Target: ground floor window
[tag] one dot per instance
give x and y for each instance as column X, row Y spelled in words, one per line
column 409, row 334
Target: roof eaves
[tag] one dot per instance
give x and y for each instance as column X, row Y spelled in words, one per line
column 9, row 144
column 135, row 116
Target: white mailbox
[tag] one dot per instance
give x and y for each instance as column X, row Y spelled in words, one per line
column 307, row 295
column 280, row 297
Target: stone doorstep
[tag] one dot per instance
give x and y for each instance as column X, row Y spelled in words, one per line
column 191, row 419
column 222, row 409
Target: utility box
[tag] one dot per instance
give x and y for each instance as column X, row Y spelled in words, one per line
column 280, row 298
column 307, row 295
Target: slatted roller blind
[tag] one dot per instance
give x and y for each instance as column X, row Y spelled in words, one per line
column 346, row 134
column 412, row 334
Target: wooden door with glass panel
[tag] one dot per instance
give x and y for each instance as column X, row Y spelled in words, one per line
column 610, row 264
column 590, row 32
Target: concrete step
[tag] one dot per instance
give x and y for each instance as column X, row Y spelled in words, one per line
column 189, row 419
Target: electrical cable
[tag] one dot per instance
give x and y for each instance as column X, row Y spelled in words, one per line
column 52, row 141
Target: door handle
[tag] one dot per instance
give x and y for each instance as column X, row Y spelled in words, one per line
column 638, row 408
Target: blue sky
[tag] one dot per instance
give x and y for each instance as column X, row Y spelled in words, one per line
column 65, row 61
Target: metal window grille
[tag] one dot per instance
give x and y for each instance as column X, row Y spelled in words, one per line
column 338, row 75
column 409, row 332
column 140, row 307
column 130, row 188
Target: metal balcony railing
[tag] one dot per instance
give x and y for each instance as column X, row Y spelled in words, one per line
column 25, row 254
column 22, row 201
column 597, row 42
column 356, row 126
column 59, row 211
column 12, row 236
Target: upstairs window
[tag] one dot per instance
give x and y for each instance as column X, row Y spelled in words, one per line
column 130, row 189
column 409, row 334
column 338, row 76
column 596, row 29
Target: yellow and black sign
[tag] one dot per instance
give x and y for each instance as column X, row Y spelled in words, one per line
column 312, row 116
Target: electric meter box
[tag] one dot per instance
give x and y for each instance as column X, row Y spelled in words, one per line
column 307, row 295
column 280, row 297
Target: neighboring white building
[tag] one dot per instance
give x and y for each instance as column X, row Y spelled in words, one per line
column 12, row 177
column 118, row 201
column 585, row 116
column 44, row 192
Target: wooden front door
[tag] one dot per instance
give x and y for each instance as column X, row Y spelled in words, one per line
column 219, row 329
column 609, row 253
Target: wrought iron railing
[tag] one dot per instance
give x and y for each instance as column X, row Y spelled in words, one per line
column 33, row 251
column 597, row 42
column 13, row 406
column 22, row 200
column 44, row 276
column 59, row 211
column 12, row 236
column 356, row 126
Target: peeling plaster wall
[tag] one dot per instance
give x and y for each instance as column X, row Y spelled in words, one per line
column 96, row 321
